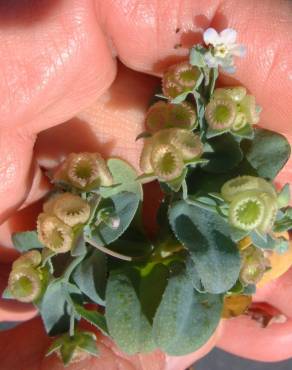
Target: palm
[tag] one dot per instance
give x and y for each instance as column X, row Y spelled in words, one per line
column 55, row 61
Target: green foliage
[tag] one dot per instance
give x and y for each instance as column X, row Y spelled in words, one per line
column 127, row 323
column 125, row 205
column 125, row 176
column 93, row 317
column 90, row 276
column 26, row 240
column 185, row 319
column 207, row 237
column 267, row 153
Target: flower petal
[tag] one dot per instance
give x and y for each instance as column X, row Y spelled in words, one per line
column 228, row 36
column 210, row 60
column 211, row 36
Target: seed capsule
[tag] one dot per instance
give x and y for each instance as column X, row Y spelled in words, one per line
column 84, row 171
column 249, row 108
column 220, row 113
column 24, row 284
column 167, row 162
column 69, row 208
column 31, row 258
column 247, row 210
column 157, row 116
column 239, row 122
column 179, row 78
column 182, row 115
column 188, row 143
column 242, row 183
column 54, row 234
column 235, row 93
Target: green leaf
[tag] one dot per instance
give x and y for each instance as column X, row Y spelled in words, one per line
column 151, row 288
column 54, row 308
column 93, row 317
column 25, row 241
column 6, row 294
column 193, row 274
column 283, row 199
column 125, row 175
column 180, row 98
column 126, row 322
column 185, row 319
column 207, row 237
column 125, row 205
column 79, row 248
column 262, row 241
column 197, row 56
column 267, row 153
column 87, row 344
column 247, row 132
column 90, row 276
column 224, row 154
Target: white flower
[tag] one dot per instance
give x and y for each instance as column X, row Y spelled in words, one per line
column 223, row 49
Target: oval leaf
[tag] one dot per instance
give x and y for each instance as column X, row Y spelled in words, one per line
column 126, row 323
column 267, row 153
column 90, row 276
column 185, row 319
column 207, row 237
column 25, row 241
column 125, row 205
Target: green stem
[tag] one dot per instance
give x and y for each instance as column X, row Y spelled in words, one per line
column 72, row 323
column 202, row 205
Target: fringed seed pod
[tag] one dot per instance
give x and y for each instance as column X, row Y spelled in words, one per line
column 239, row 122
column 54, row 234
column 254, row 265
column 31, row 258
column 25, row 284
column 249, row 108
column 179, row 78
column 167, row 162
column 188, row 143
column 247, row 210
column 220, row 113
column 270, row 213
column 69, row 208
column 87, row 170
column 145, row 157
column 157, row 116
column 182, row 115
column 84, row 171
column 235, row 93
column 242, row 183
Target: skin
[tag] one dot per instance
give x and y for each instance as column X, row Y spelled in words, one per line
column 59, row 64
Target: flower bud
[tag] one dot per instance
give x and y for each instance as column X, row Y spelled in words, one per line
column 236, row 93
column 54, row 234
column 249, row 108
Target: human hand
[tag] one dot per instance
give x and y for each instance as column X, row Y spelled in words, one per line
column 56, row 61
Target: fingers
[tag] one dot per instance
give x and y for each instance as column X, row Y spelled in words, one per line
column 54, row 61
column 245, row 337
column 109, row 126
column 17, row 353
column 146, row 33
